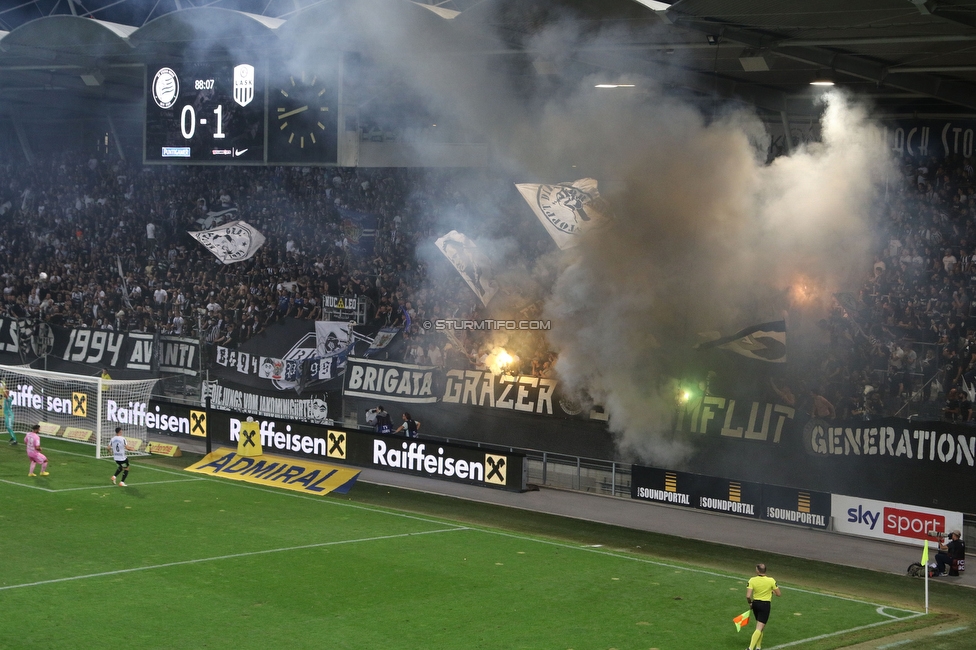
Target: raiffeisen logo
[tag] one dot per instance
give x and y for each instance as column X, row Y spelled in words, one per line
column 283, row 440
column 414, row 457
column 138, row 413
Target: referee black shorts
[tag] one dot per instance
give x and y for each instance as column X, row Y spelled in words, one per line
column 761, row 609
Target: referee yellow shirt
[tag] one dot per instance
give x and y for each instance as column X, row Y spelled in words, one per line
column 762, row 587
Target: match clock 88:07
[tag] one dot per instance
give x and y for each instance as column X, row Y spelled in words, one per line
column 205, row 112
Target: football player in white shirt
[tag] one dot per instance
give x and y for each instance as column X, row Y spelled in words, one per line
column 119, row 447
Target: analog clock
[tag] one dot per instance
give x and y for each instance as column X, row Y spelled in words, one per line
column 302, row 118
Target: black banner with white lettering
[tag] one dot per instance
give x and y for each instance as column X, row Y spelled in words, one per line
column 315, row 407
column 448, row 462
column 136, row 354
column 891, row 459
column 740, row 498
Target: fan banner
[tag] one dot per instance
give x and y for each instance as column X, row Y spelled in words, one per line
column 390, row 381
column 567, row 210
column 473, row 265
column 293, row 354
column 359, row 229
column 233, row 242
column 137, row 354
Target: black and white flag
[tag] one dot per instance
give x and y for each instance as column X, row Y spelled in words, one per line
column 763, row 342
column 232, row 242
column 567, row 210
column 473, row 265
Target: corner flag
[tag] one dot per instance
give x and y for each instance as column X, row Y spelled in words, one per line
column 742, row 620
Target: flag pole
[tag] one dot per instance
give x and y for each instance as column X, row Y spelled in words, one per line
column 925, row 566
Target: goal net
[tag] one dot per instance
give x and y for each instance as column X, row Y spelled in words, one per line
column 79, row 408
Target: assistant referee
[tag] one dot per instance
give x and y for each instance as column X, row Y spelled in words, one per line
column 759, row 594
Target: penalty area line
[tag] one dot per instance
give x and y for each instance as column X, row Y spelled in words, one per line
column 232, row 556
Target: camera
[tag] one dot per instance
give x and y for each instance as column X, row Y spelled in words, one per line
column 935, row 533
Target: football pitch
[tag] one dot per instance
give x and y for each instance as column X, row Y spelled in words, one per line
column 179, row 560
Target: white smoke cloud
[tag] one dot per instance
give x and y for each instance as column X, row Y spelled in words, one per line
column 708, row 236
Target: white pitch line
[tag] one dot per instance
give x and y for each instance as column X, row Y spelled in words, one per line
column 912, row 614
column 895, row 644
column 951, row 630
column 591, row 549
column 108, row 486
column 839, row 632
column 227, row 557
column 140, row 465
column 100, row 486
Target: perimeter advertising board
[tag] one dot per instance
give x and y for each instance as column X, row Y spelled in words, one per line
column 895, row 522
column 449, row 462
column 740, row 498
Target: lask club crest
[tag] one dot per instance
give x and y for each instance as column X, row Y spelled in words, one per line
column 243, row 84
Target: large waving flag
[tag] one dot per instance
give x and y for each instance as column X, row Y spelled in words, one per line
column 473, row 265
column 232, row 242
column 763, row 342
column 567, row 210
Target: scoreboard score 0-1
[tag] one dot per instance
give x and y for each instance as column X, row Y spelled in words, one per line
column 205, row 113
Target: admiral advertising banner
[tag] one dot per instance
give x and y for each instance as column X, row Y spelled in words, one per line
column 277, row 471
column 138, row 353
column 740, row 498
column 291, row 355
column 450, row 462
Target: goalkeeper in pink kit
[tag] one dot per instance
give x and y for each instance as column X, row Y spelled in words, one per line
column 33, row 443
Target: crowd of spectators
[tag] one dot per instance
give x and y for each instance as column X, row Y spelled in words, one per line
column 905, row 344
column 112, row 239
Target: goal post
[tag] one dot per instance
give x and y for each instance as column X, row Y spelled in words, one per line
column 80, row 408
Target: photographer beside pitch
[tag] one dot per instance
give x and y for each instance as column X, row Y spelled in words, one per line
column 759, row 595
column 954, row 549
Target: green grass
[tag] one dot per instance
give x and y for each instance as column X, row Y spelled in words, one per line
column 177, row 560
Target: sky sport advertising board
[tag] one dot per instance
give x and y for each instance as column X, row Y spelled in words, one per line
column 393, row 453
column 740, row 498
column 895, row 522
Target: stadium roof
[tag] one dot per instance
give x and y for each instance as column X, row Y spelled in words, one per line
column 912, row 57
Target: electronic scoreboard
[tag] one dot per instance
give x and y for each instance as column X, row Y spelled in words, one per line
column 221, row 113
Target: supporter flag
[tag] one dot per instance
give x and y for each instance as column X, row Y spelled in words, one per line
column 763, row 342
column 216, row 217
column 742, row 620
column 473, row 265
column 360, row 229
column 567, row 210
column 232, row 242
column 382, row 339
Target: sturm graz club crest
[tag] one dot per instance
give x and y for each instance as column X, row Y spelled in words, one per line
column 165, row 88
column 243, row 84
